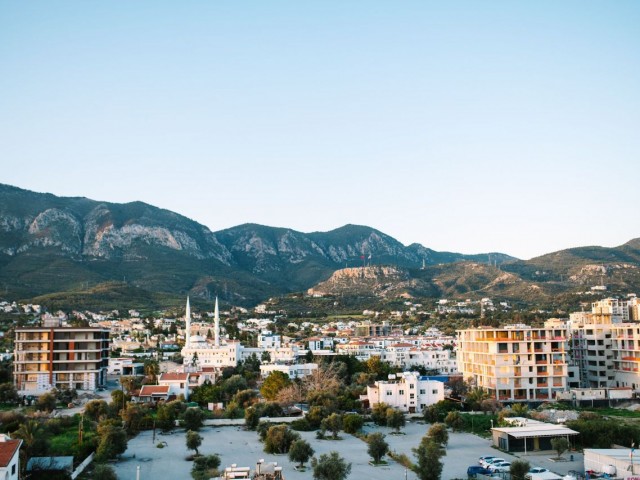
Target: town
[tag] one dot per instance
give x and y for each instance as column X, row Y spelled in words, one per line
column 117, row 386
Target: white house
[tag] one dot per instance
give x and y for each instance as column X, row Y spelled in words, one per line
column 177, row 382
column 405, row 391
column 9, row 458
column 299, row 370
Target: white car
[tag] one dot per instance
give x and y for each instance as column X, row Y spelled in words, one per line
column 538, row 470
column 485, row 458
column 490, row 461
column 500, row 467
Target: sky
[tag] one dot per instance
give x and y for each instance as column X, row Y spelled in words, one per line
column 494, row 126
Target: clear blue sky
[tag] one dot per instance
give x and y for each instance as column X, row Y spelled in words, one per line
column 466, row 126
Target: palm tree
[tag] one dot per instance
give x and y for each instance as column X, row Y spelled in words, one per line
column 29, row 432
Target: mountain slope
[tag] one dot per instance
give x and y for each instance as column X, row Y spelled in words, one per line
column 72, row 248
column 53, row 244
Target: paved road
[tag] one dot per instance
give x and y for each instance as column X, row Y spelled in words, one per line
column 235, row 445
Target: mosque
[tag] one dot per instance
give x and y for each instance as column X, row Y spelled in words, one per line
column 198, row 353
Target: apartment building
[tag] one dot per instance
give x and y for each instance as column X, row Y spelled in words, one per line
column 515, row 362
column 605, row 344
column 406, row 355
column 60, row 357
column 405, row 391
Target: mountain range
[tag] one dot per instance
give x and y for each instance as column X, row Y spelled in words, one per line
column 82, row 250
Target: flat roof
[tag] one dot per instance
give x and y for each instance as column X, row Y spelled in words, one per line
column 537, row 429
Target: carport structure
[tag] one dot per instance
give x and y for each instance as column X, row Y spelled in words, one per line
column 528, row 435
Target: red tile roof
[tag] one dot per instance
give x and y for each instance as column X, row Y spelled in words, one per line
column 150, row 390
column 8, row 449
column 174, row 376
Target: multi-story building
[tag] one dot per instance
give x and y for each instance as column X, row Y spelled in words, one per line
column 60, row 357
column 406, row 355
column 368, row 329
column 405, row 391
column 516, row 362
column 605, row 344
column 297, row 370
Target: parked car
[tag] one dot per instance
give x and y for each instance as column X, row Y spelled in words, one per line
column 484, row 458
column 538, row 470
column 491, row 461
column 500, row 467
column 474, row 470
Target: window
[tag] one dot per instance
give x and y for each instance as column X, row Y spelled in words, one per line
column 401, row 392
column 423, row 391
column 411, row 395
column 411, row 385
column 434, row 392
column 389, row 393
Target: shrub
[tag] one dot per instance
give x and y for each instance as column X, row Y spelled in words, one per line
column 352, row 422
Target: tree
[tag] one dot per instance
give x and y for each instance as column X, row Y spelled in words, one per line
column 233, row 385
column 251, row 418
column 395, row 419
column 46, row 402
column 33, row 437
column 245, row 398
column 279, row 439
column 377, row 446
column 330, row 466
column 438, row 434
column 352, row 422
column 518, row 469
column 205, row 467
column 103, row 472
column 151, row 371
column 324, row 380
column 132, row 417
column 560, row 445
column 332, row 423
column 377, row 367
column 166, row 417
column 300, row 451
column 454, row 420
column 428, row 455
column 192, row 419
column 272, row 385
column 112, row 441
column 379, row 413
column 290, row 395
column 130, row 383
column 458, row 386
column 8, row 393
column 194, row 440
column 94, row 409
column 475, row 397
column 118, row 399
column 438, row 411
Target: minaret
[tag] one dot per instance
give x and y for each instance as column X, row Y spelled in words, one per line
column 216, row 317
column 187, row 317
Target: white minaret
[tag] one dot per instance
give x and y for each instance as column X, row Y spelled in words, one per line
column 187, row 317
column 216, row 317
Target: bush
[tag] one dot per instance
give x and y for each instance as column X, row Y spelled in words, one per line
column 352, row 422
column 279, row 439
column 301, row 425
column 205, row 467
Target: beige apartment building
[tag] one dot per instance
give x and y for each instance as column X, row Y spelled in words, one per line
column 60, row 357
column 516, row 362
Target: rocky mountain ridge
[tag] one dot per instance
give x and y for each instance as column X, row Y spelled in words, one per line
column 51, row 244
